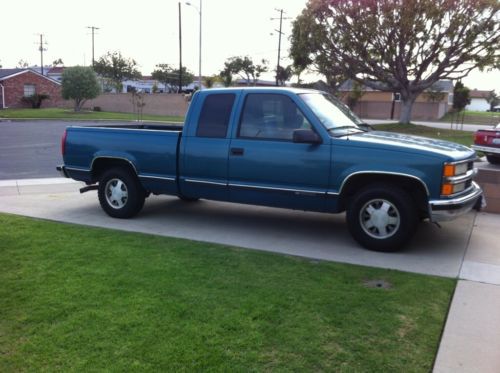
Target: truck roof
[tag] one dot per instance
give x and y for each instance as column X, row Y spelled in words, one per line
column 262, row 89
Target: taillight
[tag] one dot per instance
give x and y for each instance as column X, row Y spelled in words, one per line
column 63, row 143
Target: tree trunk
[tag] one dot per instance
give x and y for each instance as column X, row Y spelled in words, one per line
column 406, row 108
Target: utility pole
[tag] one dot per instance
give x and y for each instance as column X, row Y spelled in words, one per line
column 93, row 28
column 279, row 41
column 41, row 49
column 180, row 49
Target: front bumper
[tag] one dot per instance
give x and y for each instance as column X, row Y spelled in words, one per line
column 449, row 209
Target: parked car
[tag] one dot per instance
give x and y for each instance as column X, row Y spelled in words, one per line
column 488, row 142
column 280, row 147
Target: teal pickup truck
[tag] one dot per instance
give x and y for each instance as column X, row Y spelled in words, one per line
column 280, row 147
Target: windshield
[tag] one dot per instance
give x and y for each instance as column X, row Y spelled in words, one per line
column 330, row 111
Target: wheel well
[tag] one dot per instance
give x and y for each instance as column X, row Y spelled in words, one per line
column 414, row 188
column 101, row 165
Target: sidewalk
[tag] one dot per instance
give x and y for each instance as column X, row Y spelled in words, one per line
column 467, row 249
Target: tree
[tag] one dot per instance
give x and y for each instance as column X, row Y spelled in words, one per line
column 434, row 94
column 211, row 80
column 169, row 76
column 461, row 96
column 22, row 64
column 58, row 62
column 283, row 74
column 79, row 84
column 115, row 68
column 493, row 99
column 395, row 45
column 226, row 76
column 245, row 68
column 354, row 95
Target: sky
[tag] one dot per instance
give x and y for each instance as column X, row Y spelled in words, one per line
column 147, row 31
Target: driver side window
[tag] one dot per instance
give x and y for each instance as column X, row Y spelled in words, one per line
column 271, row 116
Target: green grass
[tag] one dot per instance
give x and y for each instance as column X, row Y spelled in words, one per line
column 472, row 117
column 56, row 113
column 88, row 299
column 461, row 137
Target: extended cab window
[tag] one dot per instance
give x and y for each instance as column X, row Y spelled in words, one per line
column 271, row 116
column 215, row 114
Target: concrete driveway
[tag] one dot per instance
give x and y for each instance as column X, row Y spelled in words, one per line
column 435, row 251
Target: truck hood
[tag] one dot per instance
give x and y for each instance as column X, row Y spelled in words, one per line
column 414, row 143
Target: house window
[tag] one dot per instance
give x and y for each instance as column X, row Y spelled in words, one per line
column 29, row 90
column 450, row 98
column 396, row 96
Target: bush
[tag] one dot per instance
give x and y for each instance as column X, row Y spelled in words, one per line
column 35, row 100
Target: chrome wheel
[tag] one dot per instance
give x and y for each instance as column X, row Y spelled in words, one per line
column 379, row 218
column 116, row 193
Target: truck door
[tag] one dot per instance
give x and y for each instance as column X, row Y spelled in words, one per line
column 266, row 167
column 205, row 148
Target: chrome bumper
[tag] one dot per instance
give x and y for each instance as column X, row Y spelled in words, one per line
column 449, row 209
column 486, row 149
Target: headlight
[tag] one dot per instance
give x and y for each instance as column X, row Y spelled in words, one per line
column 457, row 177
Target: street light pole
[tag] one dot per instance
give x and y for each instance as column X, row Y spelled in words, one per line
column 180, row 50
column 199, row 61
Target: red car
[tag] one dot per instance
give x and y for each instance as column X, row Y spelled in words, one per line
column 488, row 142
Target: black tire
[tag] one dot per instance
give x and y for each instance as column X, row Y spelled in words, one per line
column 382, row 217
column 493, row 159
column 120, row 193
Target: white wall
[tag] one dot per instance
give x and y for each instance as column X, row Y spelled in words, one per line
column 478, row 104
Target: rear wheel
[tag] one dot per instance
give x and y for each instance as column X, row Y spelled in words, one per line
column 382, row 217
column 493, row 159
column 120, row 193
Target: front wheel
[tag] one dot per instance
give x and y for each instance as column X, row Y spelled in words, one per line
column 382, row 217
column 120, row 193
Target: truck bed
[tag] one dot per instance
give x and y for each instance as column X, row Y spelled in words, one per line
column 150, row 149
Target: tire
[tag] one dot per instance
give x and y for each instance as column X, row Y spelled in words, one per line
column 382, row 217
column 493, row 159
column 120, row 193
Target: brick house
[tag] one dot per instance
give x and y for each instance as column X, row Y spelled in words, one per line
column 18, row 83
column 430, row 105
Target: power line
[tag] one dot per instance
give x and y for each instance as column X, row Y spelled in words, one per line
column 279, row 41
column 41, row 49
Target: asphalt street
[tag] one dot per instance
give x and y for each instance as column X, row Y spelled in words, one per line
column 31, row 149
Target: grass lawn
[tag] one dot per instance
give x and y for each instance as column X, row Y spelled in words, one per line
column 461, row 137
column 87, row 299
column 472, row 117
column 55, row 113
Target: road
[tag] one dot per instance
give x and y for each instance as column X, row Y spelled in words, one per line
column 31, row 149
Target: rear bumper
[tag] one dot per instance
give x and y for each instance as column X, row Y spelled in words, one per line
column 442, row 210
column 62, row 171
column 486, row 149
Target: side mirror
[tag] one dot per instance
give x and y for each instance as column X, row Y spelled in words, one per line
column 306, row 137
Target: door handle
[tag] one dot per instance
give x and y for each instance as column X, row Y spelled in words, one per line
column 237, row 151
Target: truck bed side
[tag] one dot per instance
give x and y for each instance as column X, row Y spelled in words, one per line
column 151, row 153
